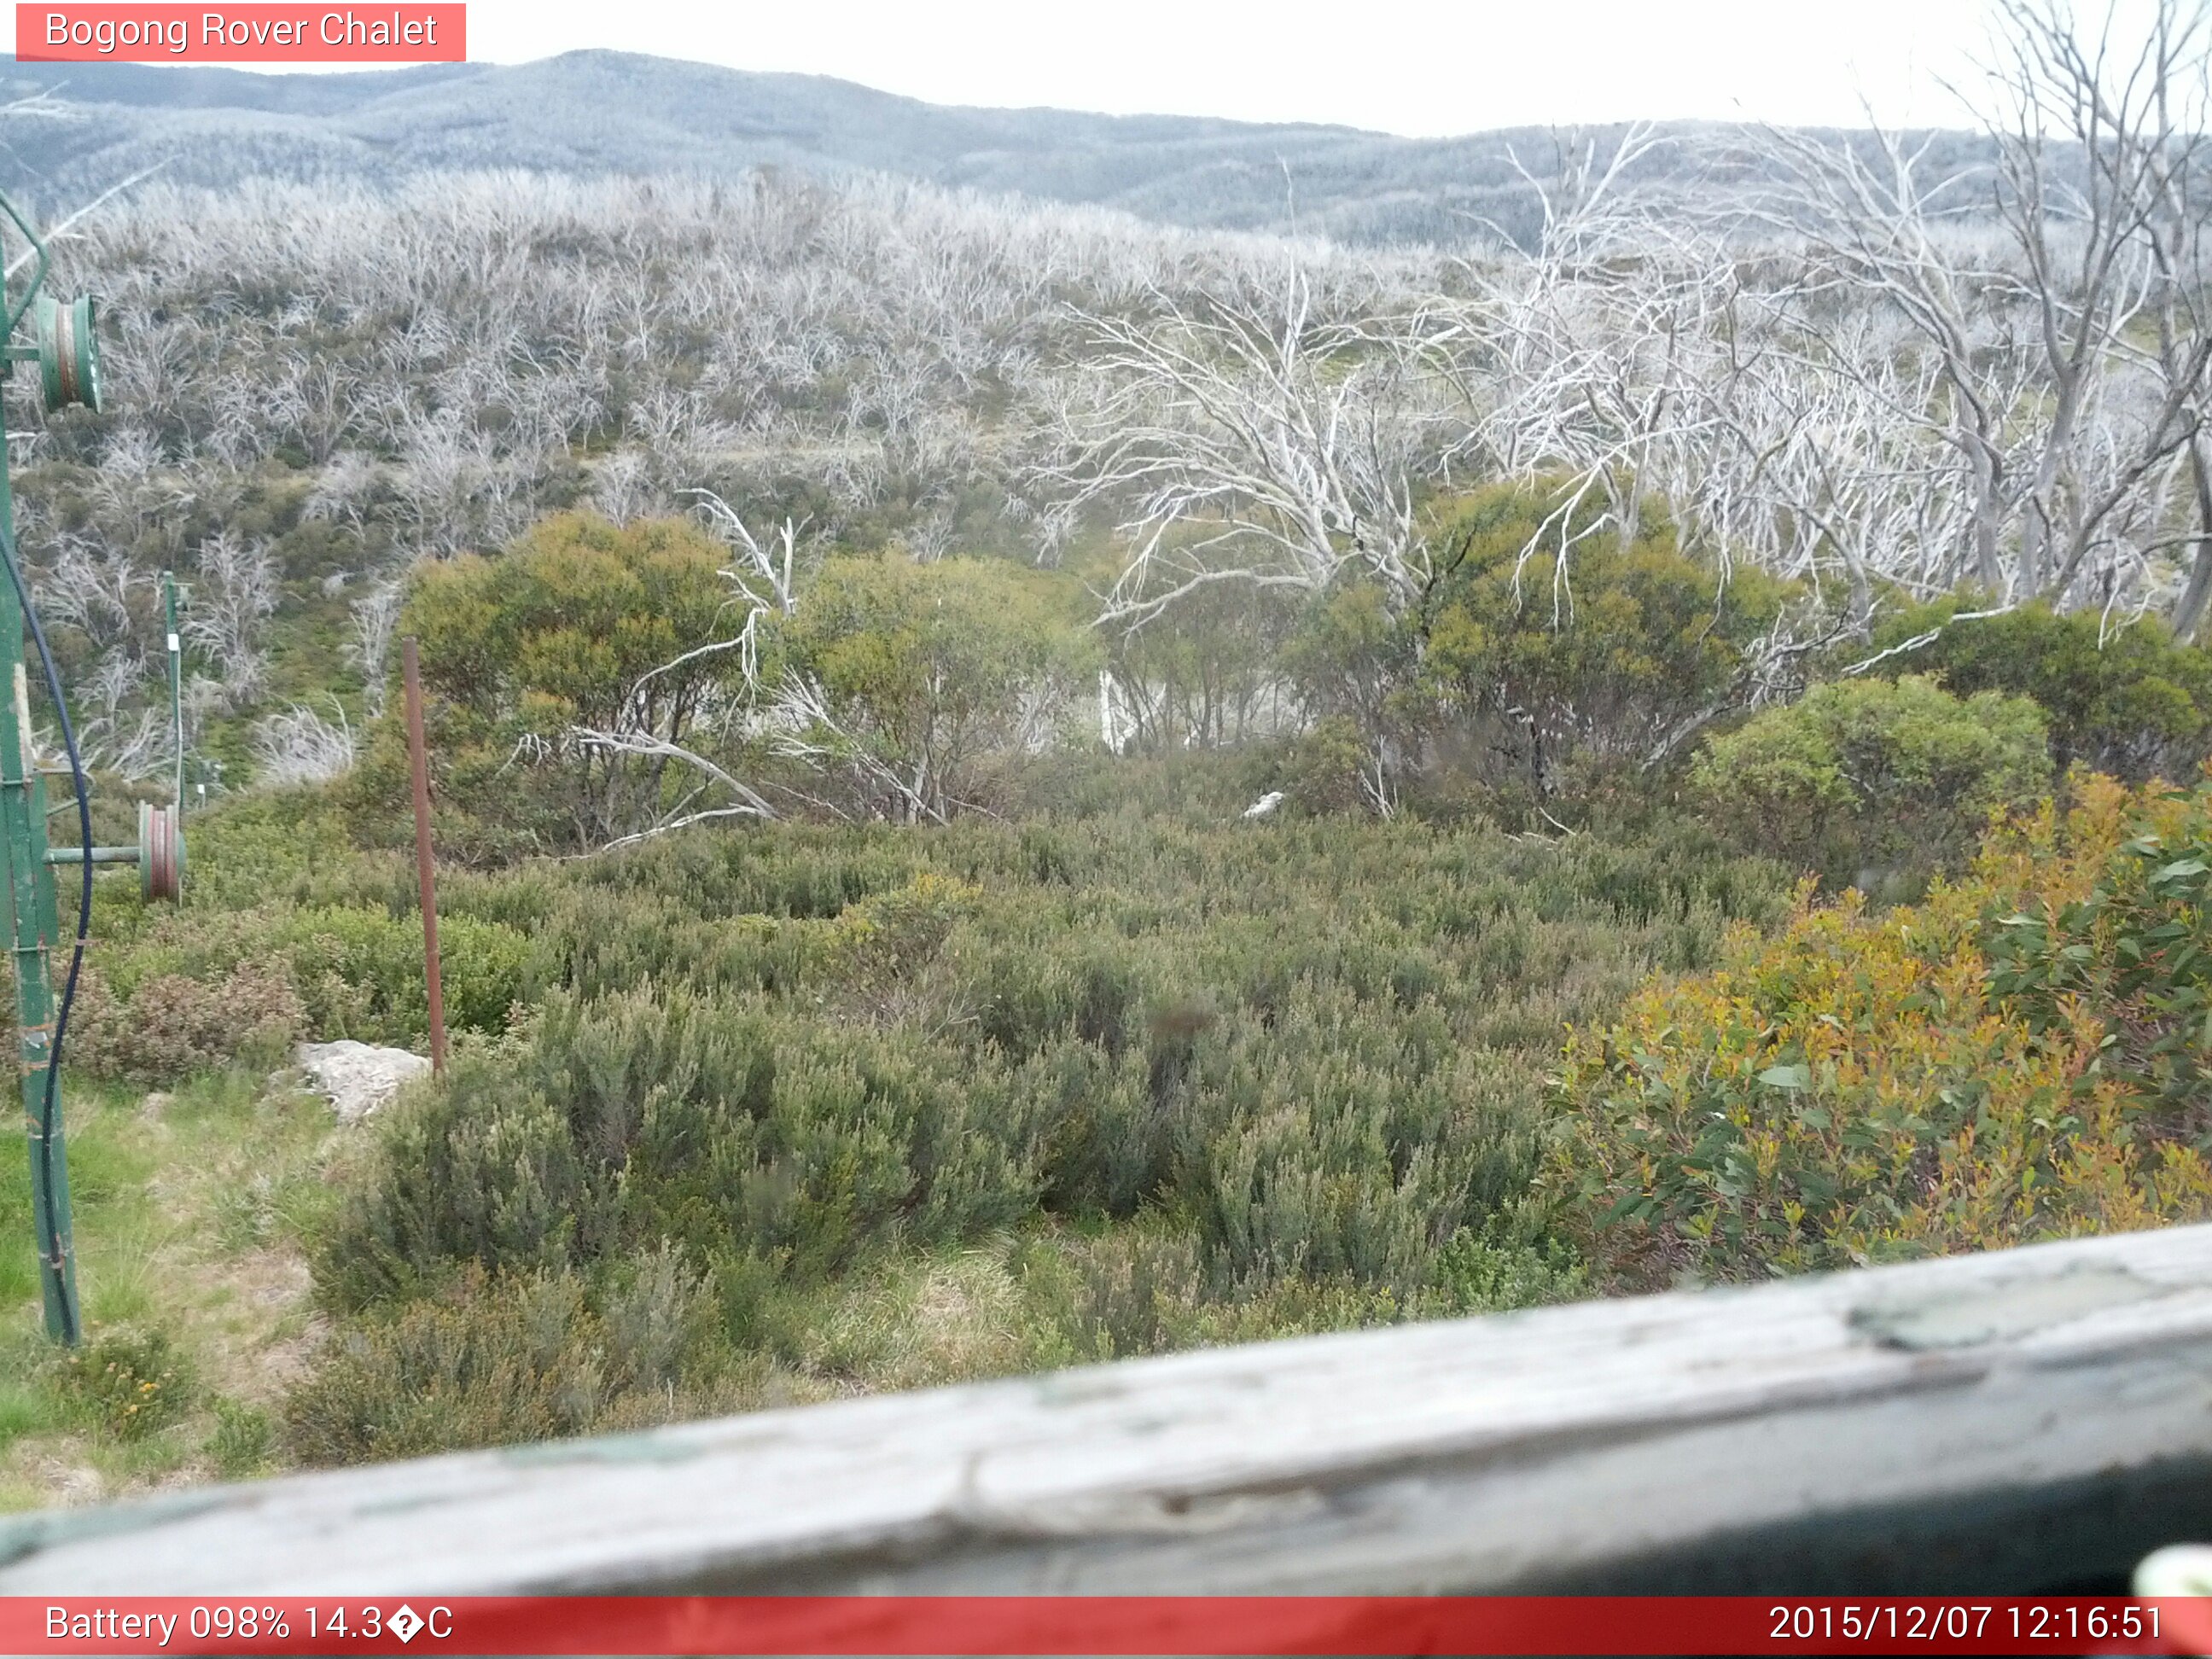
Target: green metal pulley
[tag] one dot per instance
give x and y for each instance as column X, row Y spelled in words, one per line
column 69, row 352
column 159, row 854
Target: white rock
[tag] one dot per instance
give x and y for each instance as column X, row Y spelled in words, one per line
column 1266, row 804
column 358, row 1077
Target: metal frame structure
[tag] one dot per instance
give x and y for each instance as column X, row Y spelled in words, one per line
column 65, row 348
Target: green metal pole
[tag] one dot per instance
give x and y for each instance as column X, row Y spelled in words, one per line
column 33, row 927
column 68, row 357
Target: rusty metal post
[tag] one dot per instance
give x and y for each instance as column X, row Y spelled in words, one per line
column 418, row 763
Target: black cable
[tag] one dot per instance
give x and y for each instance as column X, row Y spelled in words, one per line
column 50, row 1111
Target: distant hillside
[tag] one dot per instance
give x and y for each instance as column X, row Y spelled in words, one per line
column 596, row 113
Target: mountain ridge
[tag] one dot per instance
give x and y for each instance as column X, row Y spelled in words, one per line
column 596, row 113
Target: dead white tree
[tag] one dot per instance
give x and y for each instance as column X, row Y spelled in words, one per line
column 1590, row 344
column 1263, row 441
column 802, row 726
column 2052, row 297
column 2100, row 137
column 236, row 593
column 296, row 745
column 375, row 617
column 658, row 752
column 762, row 576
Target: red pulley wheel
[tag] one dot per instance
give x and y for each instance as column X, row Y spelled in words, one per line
column 161, row 853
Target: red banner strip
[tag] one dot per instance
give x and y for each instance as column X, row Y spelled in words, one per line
column 1111, row 1625
column 260, row 33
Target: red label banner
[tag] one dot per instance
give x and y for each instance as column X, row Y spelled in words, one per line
column 260, row 33
column 1102, row 1625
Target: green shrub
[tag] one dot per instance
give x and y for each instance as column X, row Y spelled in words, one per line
column 269, row 847
column 1355, row 661
column 1145, row 1287
column 1180, row 1079
column 1874, row 783
column 497, row 1359
column 2130, row 701
column 244, row 1444
column 634, row 1119
column 1328, row 768
column 1864, row 1087
column 885, row 936
column 1506, row 1264
column 1133, row 1292
column 348, row 971
column 132, row 1380
column 502, row 1188
column 1328, row 1070
column 173, row 1026
column 361, row 971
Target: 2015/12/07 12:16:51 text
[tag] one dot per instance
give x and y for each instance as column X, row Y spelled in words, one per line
column 1935, row 1621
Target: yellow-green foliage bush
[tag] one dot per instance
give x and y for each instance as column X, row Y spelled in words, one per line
column 1520, row 671
column 1862, row 1086
column 2137, row 950
column 1608, row 652
column 1874, row 783
column 931, row 676
column 1519, row 666
column 557, row 631
column 886, row 935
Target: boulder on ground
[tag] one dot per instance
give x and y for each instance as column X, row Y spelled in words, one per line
column 358, row 1077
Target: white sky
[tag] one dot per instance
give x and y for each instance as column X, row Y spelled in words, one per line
column 1421, row 67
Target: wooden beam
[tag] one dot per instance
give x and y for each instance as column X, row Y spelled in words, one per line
column 2031, row 1419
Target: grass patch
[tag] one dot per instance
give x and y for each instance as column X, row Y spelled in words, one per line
column 192, row 1212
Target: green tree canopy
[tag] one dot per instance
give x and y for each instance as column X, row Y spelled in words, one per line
column 2125, row 698
column 560, row 634
column 913, row 677
column 1871, row 782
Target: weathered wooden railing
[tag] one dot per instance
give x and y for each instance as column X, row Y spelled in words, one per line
column 2035, row 1420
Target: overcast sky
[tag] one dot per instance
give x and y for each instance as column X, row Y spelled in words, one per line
column 1421, row 67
